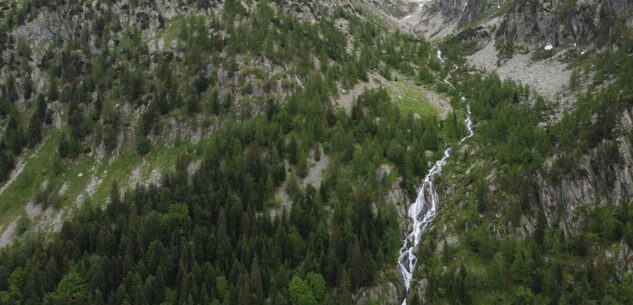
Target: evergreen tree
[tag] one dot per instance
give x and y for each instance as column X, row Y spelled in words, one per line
column 256, row 281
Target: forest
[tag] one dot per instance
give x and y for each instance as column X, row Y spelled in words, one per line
column 219, row 235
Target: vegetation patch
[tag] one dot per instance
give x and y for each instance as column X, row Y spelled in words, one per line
column 411, row 98
column 14, row 197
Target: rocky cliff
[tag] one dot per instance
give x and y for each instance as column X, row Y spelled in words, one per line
column 587, row 24
column 532, row 24
column 602, row 177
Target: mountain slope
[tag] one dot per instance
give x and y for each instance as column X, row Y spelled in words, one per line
column 234, row 106
column 266, row 152
column 538, row 43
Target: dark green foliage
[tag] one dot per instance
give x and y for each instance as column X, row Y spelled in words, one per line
column 207, row 236
column 7, row 162
column 37, row 119
column 72, row 289
column 9, row 89
column 143, row 146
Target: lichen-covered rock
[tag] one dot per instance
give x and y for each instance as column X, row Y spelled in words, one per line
column 384, row 293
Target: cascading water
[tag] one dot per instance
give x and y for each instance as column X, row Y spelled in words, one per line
column 423, row 210
column 468, row 122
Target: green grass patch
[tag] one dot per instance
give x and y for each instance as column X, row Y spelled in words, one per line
column 37, row 168
column 78, row 173
column 120, row 170
column 175, row 26
column 411, row 98
column 161, row 158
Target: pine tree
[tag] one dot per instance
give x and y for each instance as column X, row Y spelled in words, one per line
column 539, row 232
column 115, row 199
column 461, row 286
column 53, row 93
column 35, row 125
column 345, row 288
column 27, row 86
column 256, row 280
column 355, row 263
column 243, row 290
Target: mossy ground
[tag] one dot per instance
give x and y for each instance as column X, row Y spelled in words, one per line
column 411, row 98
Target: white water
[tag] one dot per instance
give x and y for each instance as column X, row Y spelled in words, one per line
column 423, row 210
column 468, row 122
column 439, row 56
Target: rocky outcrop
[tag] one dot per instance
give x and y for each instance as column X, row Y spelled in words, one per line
column 533, row 25
column 385, row 292
column 602, row 177
column 461, row 11
column 440, row 18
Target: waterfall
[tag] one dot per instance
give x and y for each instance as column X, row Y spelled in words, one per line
column 422, row 212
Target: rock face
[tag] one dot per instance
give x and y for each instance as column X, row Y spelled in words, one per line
column 461, row 11
column 548, row 22
column 530, row 24
column 385, row 292
column 440, row 18
column 605, row 176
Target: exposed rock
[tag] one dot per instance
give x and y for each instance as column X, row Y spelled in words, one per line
column 398, row 198
column 595, row 180
column 346, row 100
column 421, row 286
column 45, row 184
column 383, row 293
column 440, row 102
column 33, row 209
column 548, row 77
column 530, row 26
column 624, row 259
column 15, row 173
column 63, row 188
column 383, row 171
column 193, row 167
column 315, row 172
column 525, row 228
column 281, row 195
column 451, row 240
column 92, row 186
column 7, row 234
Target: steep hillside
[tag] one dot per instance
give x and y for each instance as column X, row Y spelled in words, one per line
column 538, row 43
column 98, row 92
column 539, row 215
column 210, row 152
column 536, row 215
column 283, row 152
